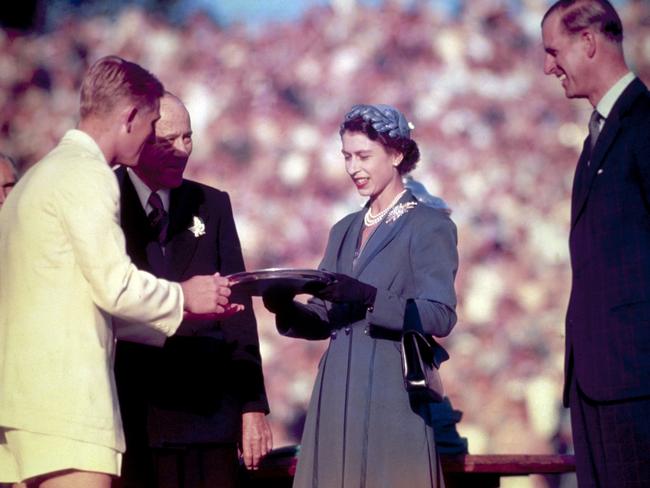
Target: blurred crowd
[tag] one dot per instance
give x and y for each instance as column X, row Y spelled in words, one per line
column 498, row 140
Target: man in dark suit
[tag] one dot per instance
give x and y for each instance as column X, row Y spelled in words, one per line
column 183, row 425
column 607, row 364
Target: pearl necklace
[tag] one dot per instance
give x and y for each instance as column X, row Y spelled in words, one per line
column 369, row 219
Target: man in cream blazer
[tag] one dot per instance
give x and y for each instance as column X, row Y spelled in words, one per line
column 64, row 274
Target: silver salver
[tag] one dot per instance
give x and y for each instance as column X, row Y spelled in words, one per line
column 257, row 282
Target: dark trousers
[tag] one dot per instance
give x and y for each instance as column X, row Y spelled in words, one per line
column 197, row 466
column 192, row 466
column 611, row 441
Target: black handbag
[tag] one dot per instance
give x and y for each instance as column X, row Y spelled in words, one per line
column 421, row 358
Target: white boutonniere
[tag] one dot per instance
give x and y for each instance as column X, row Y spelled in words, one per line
column 198, row 227
column 398, row 210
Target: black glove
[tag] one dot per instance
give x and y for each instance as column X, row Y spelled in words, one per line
column 346, row 289
column 278, row 298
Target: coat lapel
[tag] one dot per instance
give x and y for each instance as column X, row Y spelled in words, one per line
column 384, row 234
column 580, row 179
column 348, row 246
column 133, row 217
column 184, row 205
column 141, row 243
column 607, row 137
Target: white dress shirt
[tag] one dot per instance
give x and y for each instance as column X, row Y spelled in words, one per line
column 144, row 191
column 606, row 103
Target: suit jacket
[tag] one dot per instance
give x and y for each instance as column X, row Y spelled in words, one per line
column 199, row 383
column 63, row 273
column 608, row 318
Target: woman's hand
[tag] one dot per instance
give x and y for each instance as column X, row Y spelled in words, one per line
column 346, row 289
column 278, row 298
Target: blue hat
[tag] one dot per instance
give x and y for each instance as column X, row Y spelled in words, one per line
column 383, row 118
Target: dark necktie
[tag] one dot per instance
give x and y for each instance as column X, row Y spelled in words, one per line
column 158, row 218
column 594, row 128
column 583, row 169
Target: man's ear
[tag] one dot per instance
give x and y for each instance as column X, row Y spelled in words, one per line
column 129, row 116
column 590, row 41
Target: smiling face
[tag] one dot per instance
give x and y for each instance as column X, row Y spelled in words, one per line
column 372, row 168
column 566, row 57
column 164, row 157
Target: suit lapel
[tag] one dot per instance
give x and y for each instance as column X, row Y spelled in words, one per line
column 141, row 244
column 607, row 137
column 379, row 239
column 132, row 213
column 579, row 180
column 184, row 205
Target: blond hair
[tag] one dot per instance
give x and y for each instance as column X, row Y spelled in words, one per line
column 111, row 80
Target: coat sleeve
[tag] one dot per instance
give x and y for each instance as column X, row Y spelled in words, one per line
column 240, row 331
column 433, row 261
column 139, row 333
column 89, row 209
column 304, row 321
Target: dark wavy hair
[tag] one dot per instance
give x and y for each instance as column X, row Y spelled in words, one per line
column 408, row 148
column 577, row 15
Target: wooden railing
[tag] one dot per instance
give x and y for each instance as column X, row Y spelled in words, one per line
column 486, row 470
column 460, row 471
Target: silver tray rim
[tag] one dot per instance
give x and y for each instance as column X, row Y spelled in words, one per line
column 271, row 273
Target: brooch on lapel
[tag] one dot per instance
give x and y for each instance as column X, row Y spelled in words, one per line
column 198, row 227
column 398, row 210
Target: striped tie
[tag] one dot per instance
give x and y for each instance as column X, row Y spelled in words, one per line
column 158, row 218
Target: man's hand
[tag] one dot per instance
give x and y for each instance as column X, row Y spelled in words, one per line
column 257, row 439
column 230, row 310
column 208, row 294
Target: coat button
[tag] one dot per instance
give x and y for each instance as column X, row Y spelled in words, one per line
column 347, row 331
column 333, row 334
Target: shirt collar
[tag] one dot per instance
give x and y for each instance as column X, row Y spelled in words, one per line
column 144, row 191
column 606, row 103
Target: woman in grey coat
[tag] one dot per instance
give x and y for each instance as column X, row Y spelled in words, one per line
column 362, row 429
